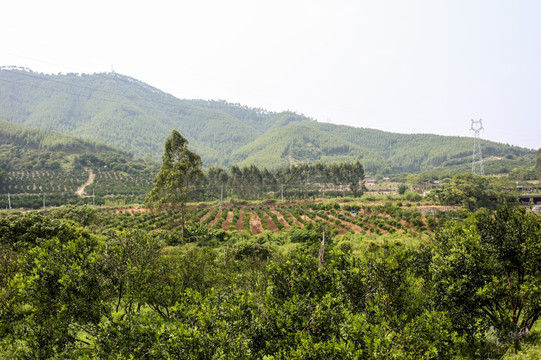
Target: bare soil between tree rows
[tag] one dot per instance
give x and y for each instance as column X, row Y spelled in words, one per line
column 344, row 221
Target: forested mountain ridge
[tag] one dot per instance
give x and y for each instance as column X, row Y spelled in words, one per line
column 379, row 151
column 129, row 114
column 126, row 113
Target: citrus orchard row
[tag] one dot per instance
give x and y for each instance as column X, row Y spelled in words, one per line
column 256, row 218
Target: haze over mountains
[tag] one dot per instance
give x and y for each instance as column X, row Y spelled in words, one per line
column 126, row 113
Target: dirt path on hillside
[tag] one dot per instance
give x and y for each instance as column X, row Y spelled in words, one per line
column 81, row 190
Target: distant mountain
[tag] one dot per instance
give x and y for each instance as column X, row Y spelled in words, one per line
column 129, row 114
column 126, row 113
column 379, row 151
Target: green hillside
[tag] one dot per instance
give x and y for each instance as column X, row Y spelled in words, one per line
column 128, row 114
column 379, row 151
column 36, row 164
column 24, row 148
column 298, row 143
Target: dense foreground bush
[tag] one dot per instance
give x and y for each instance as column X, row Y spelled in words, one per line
column 67, row 293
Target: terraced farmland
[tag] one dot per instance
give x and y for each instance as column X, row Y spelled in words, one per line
column 257, row 218
column 43, row 182
column 29, row 189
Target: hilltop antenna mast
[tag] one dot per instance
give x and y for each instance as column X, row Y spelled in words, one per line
column 477, row 156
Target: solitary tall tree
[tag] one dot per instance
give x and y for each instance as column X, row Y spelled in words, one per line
column 180, row 169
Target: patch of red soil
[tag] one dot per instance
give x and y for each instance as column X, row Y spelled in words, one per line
column 299, row 202
column 270, row 224
column 214, row 221
column 255, row 223
column 199, row 206
column 227, row 221
column 295, row 221
column 240, row 223
column 307, row 219
column 281, row 218
column 341, row 230
column 346, row 224
column 239, row 203
column 203, row 218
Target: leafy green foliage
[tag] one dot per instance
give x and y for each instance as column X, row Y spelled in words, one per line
column 487, row 273
column 180, row 168
column 67, row 293
column 467, row 189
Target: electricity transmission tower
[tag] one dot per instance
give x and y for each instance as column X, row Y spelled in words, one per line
column 477, row 156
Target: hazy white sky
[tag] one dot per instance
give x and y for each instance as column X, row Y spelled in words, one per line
column 411, row 66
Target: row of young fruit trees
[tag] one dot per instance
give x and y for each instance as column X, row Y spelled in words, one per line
column 254, row 219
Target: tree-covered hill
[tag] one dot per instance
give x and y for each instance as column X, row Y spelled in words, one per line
column 25, row 148
column 36, row 163
column 379, row 151
column 128, row 114
column 296, row 143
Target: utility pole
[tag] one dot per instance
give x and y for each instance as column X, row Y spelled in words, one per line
column 282, row 191
column 477, row 156
column 93, row 198
column 9, row 201
column 43, row 201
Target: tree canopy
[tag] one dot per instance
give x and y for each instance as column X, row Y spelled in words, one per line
column 180, row 169
column 486, row 273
